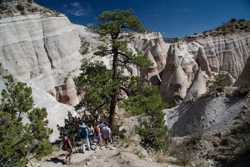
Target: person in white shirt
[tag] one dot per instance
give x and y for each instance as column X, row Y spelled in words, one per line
column 106, row 134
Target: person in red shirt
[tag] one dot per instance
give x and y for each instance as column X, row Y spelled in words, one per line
column 98, row 135
column 67, row 146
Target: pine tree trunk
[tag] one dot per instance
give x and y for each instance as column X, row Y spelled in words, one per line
column 114, row 96
column 112, row 110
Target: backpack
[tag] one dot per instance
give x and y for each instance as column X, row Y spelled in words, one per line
column 97, row 130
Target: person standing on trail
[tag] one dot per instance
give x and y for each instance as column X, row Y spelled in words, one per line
column 106, row 134
column 67, row 146
column 98, row 134
column 84, row 134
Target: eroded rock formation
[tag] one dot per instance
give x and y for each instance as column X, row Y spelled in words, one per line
column 212, row 55
column 42, row 51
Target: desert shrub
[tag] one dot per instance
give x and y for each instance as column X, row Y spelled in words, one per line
column 154, row 137
column 233, row 20
column 242, row 20
column 20, row 7
column 237, row 26
column 153, row 131
column 70, row 128
column 219, row 83
column 34, row 9
column 231, row 26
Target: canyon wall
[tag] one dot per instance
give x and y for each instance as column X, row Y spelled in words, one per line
column 201, row 59
column 43, row 52
column 40, row 50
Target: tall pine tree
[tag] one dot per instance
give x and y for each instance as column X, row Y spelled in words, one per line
column 104, row 85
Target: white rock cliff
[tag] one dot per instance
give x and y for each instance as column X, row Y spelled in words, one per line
column 41, row 51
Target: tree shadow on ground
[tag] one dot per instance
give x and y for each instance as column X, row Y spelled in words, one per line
column 56, row 160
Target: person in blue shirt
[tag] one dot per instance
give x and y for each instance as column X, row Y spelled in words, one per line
column 84, row 134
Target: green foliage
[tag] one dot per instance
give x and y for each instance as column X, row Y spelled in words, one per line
column 219, row 83
column 231, row 26
column 147, row 101
column 233, row 20
column 117, row 21
column 70, row 128
column 21, row 139
column 153, row 130
column 142, row 62
column 103, row 86
column 20, row 7
column 96, row 80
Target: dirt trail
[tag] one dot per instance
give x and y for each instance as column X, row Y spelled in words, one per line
column 105, row 157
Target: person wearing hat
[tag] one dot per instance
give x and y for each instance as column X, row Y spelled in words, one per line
column 84, row 134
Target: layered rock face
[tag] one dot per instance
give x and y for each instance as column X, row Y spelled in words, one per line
column 42, row 51
column 210, row 55
column 227, row 53
column 37, row 49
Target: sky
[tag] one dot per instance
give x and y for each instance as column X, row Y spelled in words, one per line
column 173, row 18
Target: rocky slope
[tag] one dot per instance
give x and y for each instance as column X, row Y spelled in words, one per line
column 214, row 129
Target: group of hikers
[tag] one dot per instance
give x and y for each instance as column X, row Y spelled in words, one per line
column 90, row 137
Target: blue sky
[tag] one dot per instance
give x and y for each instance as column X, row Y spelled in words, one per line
column 173, row 18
